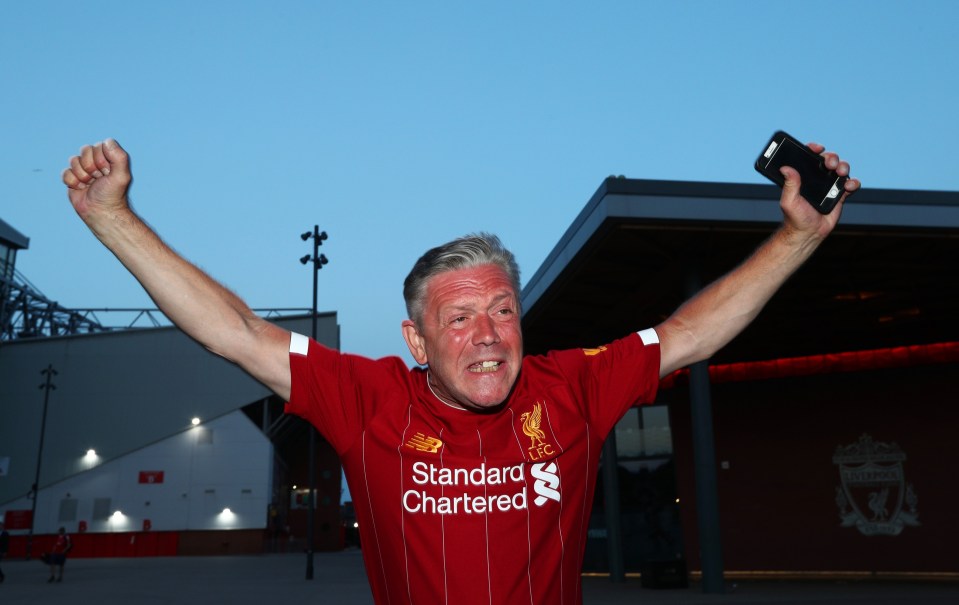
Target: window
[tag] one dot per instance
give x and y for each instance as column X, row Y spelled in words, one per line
column 68, row 510
column 101, row 509
column 644, row 432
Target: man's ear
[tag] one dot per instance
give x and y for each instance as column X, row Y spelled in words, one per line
column 415, row 341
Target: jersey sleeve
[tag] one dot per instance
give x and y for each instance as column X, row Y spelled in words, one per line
column 337, row 392
column 610, row 379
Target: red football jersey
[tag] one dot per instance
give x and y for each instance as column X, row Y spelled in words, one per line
column 463, row 507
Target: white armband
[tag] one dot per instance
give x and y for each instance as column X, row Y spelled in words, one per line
column 649, row 336
column 299, row 344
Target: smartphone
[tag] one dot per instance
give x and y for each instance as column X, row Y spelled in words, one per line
column 820, row 186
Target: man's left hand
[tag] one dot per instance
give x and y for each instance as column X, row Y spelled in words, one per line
column 800, row 218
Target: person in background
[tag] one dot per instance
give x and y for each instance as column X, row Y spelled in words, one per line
column 58, row 556
column 4, row 546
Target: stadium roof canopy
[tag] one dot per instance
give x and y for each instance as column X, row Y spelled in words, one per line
column 11, row 237
column 887, row 277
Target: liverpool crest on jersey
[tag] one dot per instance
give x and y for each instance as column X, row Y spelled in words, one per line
column 539, row 446
column 873, row 494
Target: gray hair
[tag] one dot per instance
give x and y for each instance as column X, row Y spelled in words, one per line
column 473, row 250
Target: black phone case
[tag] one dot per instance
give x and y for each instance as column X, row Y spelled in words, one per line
column 821, row 187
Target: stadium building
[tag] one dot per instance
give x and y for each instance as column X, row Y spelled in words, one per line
column 817, row 442
column 140, row 442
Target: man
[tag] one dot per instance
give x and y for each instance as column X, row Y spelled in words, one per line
column 58, row 555
column 471, row 476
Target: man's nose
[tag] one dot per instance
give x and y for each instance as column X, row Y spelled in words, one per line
column 486, row 332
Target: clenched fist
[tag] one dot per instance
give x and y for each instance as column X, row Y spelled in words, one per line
column 98, row 180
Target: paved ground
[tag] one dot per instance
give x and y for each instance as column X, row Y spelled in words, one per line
column 339, row 578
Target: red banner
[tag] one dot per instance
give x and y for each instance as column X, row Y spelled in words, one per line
column 17, row 519
column 151, row 476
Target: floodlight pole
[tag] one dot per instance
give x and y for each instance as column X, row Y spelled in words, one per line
column 318, row 261
column 47, row 386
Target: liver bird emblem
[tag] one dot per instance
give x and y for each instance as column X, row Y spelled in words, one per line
column 877, row 504
column 531, row 425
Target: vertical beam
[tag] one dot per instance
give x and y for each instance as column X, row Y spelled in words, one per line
column 611, row 509
column 704, row 464
column 311, row 449
column 47, row 386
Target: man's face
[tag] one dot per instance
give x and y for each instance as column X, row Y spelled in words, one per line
column 470, row 336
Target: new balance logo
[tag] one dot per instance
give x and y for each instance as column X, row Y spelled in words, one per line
column 546, row 482
column 422, row 443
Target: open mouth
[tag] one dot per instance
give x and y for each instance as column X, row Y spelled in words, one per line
column 485, row 366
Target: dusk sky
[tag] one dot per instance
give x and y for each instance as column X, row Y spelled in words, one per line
column 398, row 126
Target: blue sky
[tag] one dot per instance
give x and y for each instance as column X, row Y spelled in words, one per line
column 398, row 126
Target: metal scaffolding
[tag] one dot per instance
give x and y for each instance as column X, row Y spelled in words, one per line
column 26, row 313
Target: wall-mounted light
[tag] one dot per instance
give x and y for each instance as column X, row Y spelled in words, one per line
column 226, row 517
column 195, row 421
column 118, row 520
column 90, row 459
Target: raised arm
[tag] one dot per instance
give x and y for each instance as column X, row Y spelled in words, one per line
column 716, row 315
column 98, row 182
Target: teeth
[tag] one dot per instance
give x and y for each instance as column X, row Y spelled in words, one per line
column 485, row 366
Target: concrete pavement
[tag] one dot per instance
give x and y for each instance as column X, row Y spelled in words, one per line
column 339, row 578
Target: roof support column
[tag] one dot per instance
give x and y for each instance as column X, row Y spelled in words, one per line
column 611, row 510
column 704, row 464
